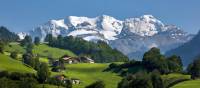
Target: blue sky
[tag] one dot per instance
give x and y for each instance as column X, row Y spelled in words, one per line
column 24, row 15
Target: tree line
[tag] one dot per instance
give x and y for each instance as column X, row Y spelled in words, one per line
column 99, row 51
column 6, row 35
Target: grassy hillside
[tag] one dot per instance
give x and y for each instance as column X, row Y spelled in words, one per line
column 188, row 84
column 14, row 47
column 89, row 73
column 175, row 75
column 42, row 49
column 173, row 78
column 8, row 64
column 45, row 51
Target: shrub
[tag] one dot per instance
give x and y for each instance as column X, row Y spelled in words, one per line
column 113, row 65
column 4, row 74
column 28, row 83
column 13, row 55
column 194, row 69
column 97, row 84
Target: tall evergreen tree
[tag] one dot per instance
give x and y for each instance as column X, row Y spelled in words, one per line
column 156, row 79
column 175, row 63
column 29, row 48
column 139, row 80
column 1, row 47
column 97, row 84
column 48, row 38
column 194, row 69
column 13, row 55
column 176, row 59
column 28, row 59
column 43, row 73
column 153, row 59
column 37, row 63
column 37, row 40
column 26, row 41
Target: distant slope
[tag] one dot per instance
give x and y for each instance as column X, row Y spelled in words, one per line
column 188, row 84
column 11, row 65
column 46, row 51
column 188, row 51
column 14, row 46
column 42, row 50
column 6, row 35
column 89, row 73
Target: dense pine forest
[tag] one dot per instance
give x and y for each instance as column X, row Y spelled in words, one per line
column 99, row 51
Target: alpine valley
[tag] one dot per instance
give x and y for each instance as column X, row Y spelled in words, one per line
column 132, row 36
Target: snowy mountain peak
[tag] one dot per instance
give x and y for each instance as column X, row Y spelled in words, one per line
column 106, row 17
column 146, row 25
column 74, row 20
column 21, row 35
column 59, row 23
column 104, row 27
column 147, row 17
column 132, row 36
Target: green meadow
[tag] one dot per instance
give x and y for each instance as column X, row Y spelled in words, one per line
column 11, row 65
column 188, row 84
column 89, row 73
column 42, row 50
column 46, row 51
column 173, row 78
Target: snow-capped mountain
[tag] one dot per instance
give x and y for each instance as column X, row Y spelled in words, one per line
column 146, row 25
column 22, row 35
column 132, row 36
column 135, row 45
column 99, row 28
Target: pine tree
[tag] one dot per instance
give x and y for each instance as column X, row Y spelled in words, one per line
column 1, row 47
column 28, row 59
column 48, row 38
column 97, row 84
column 43, row 73
column 194, row 69
column 14, row 55
column 37, row 40
column 153, row 59
column 26, row 41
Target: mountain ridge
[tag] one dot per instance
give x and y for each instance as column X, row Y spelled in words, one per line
column 130, row 36
column 188, row 51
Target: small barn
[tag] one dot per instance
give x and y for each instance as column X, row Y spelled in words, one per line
column 70, row 60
